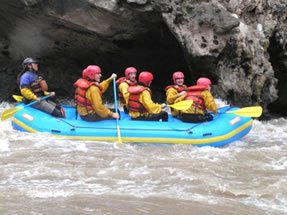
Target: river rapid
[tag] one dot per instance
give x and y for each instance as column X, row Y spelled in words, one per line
column 40, row 174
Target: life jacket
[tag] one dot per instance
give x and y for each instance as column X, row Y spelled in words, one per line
column 129, row 82
column 82, row 85
column 38, row 87
column 177, row 87
column 194, row 94
column 134, row 98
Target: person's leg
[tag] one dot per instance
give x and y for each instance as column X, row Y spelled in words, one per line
column 50, row 108
column 140, row 118
column 91, row 118
column 58, row 111
column 126, row 109
column 94, row 117
column 208, row 117
column 163, row 116
column 193, row 118
column 44, row 106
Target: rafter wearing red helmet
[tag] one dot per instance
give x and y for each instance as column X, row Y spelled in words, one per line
column 140, row 103
column 89, row 93
column 124, row 83
column 175, row 91
column 203, row 102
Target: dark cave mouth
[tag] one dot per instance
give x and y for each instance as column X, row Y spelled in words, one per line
column 156, row 51
column 276, row 52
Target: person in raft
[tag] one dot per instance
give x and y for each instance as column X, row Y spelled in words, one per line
column 124, row 83
column 200, row 95
column 33, row 87
column 88, row 95
column 176, row 91
column 140, row 103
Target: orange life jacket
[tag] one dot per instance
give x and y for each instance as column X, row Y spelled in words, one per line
column 129, row 82
column 134, row 98
column 194, row 94
column 82, row 85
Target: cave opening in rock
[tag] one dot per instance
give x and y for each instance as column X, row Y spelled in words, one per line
column 156, row 51
column 278, row 61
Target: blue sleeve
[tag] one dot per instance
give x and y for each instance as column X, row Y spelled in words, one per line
column 27, row 79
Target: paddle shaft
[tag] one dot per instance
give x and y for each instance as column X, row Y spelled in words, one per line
column 36, row 101
column 10, row 112
column 116, row 109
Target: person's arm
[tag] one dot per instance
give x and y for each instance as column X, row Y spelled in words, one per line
column 28, row 94
column 25, row 90
column 148, row 103
column 106, row 83
column 123, row 88
column 209, row 101
column 94, row 95
column 171, row 95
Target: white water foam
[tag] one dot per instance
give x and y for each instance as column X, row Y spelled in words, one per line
column 250, row 172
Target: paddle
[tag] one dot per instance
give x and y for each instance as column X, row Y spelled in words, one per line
column 254, row 111
column 116, row 107
column 182, row 105
column 18, row 98
column 10, row 112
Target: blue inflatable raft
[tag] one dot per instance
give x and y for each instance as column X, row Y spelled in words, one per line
column 224, row 129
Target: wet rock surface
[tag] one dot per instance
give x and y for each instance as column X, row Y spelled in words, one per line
column 240, row 45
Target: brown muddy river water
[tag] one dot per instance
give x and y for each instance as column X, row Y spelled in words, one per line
column 43, row 175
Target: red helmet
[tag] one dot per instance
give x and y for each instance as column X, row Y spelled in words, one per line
column 203, row 81
column 130, row 70
column 91, row 71
column 177, row 75
column 145, row 77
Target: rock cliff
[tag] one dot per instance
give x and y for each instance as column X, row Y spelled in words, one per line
column 240, row 45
